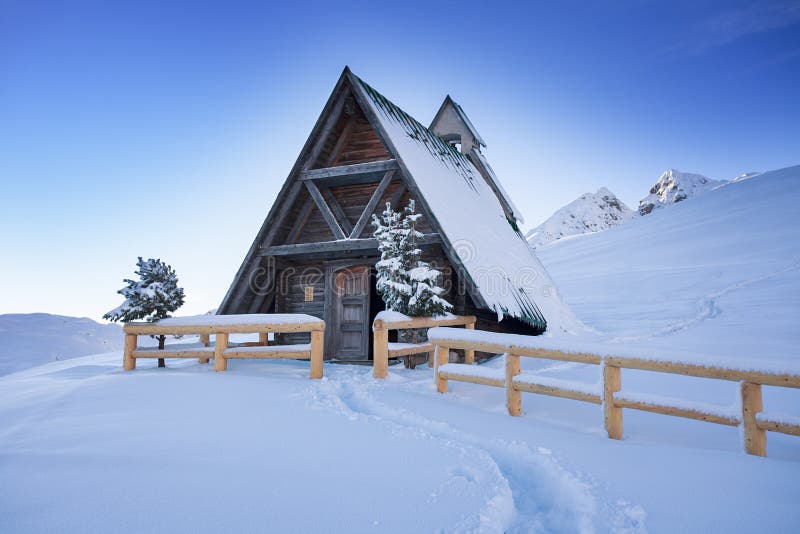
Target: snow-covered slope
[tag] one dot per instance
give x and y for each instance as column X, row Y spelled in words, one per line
column 675, row 186
column 36, row 338
column 718, row 275
column 591, row 212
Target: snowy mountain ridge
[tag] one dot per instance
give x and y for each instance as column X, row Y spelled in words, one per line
column 595, row 212
column 591, row 212
column 675, row 186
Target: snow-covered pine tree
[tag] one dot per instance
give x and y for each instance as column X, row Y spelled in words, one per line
column 406, row 283
column 393, row 282
column 154, row 296
column 426, row 299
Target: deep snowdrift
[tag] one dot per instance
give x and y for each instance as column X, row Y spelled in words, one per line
column 31, row 339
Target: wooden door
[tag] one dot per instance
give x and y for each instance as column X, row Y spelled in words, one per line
column 351, row 314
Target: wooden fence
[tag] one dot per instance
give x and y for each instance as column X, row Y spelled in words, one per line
column 222, row 327
column 608, row 392
column 382, row 350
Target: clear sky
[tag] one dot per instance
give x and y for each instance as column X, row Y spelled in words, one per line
column 165, row 129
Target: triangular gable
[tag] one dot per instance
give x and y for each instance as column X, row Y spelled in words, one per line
column 500, row 270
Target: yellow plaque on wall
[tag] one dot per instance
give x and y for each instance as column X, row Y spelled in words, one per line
column 309, row 293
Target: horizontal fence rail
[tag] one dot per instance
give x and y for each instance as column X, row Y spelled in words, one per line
column 608, row 393
column 222, row 327
column 382, row 350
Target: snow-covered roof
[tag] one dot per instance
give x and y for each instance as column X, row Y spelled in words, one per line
column 504, row 271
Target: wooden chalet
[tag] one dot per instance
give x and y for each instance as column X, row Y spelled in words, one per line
column 315, row 253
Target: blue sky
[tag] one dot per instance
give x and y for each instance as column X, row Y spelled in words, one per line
column 165, row 129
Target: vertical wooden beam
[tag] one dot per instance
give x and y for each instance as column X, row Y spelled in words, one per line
column 324, row 209
column 469, row 354
column 513, row 397
column 263, row 338
column 220, row 344
column 380, row 351
column 612, row 382
column 128, row 361
column 755, row 439
column 317, row 344
column 442, row 357
column 372, row 204
column 205, row 339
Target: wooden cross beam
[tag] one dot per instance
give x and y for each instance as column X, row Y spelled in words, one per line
column 327, row 214
column 345, row 170
column 371, row 205
column 394, row 200
column 337, row 210
column 338, row 246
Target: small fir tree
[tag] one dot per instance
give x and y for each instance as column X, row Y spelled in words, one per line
column 153, row 297
column 396, row 242
column 406, row 283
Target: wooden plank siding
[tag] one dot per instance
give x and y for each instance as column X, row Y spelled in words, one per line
column 292, row 281
column 352, row 140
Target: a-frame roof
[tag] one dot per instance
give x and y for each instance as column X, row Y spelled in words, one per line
column 501, row 271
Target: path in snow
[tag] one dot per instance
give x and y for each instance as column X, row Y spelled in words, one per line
column 546, row 497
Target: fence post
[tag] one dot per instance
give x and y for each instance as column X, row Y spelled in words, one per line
column 380, row 350
column 263, row 338
column 755, row 439
column 442, row 357
column 205, row 339
column 317, row 342
column 469, row 354
column 220, row 344
column 513, row 397
column 612, row 382
column 128, row 361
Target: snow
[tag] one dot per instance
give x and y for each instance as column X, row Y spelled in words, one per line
column 245, row 319
column 184, row 347
column 402, row 346
column 603, row 346
column 85, row 446
column 728, row 412
column 715, row 280
column 298, row 347
column 570, row 385
column 477, row 371
column 32, row 339
column 390, row 316
column 591, row 212
column 675, row 186
column 779, row 417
